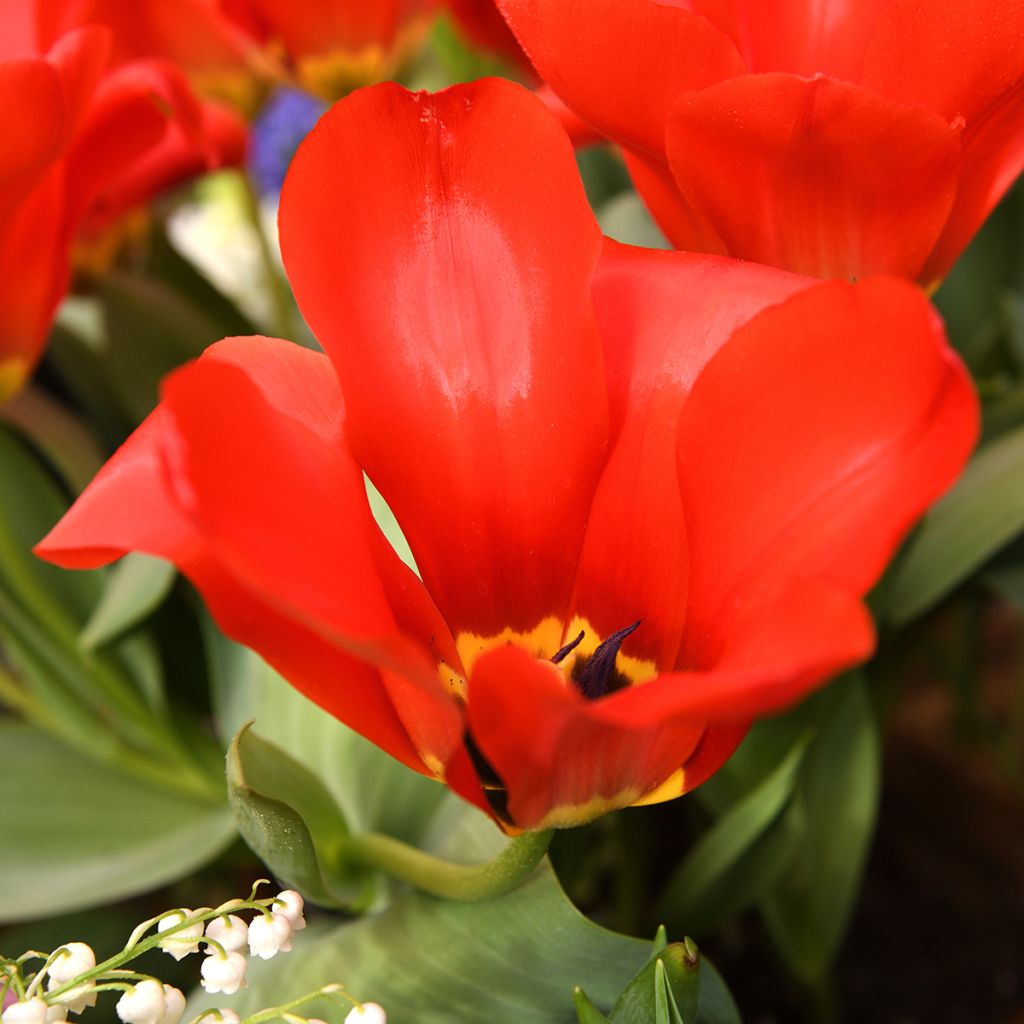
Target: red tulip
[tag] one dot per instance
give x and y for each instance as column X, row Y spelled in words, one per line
column 840, row 138
column 645, row 491
column 84, row 146
column 328, row 46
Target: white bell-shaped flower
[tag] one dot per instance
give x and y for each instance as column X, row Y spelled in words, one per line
column 223, row 973
column 73, row 959
column 174, row 1005
column 290, row 904
column 230, row 931
column 221, row 1016
column 367, row 1013
column 144, row 1003
column 270, row 934
column 182, row 942
column 29, row 1011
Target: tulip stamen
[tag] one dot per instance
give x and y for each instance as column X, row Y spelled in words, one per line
column 598, row 675
column 571, row 646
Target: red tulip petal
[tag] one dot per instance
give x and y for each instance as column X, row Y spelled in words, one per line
column 32, row 107
column 811, row 443
column 447, row 273
column 561, row 760
column 956, row 57
column 195, row 34
column 242, row 478
column 798, row 636
column 685, row 227
column 663, row 315
column 620, row 64
column 805, row 37
column 815, row 175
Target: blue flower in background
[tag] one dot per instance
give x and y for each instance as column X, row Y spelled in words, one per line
column 282, row 125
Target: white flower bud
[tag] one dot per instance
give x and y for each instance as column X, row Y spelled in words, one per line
column 183, row 942
column 269, row 934
column 174, row 1005
column 221, row 1016
column 144, row 1003
column 223, row 973
column 231, row 932
column 55, row 1014
column 72, row 959
column 367, row 1013
column 31, row 1011
column 290, row 906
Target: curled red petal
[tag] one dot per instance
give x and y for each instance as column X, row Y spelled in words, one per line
column 835, row 180
column 621, row 63
column 561, row 759
column 811, row 443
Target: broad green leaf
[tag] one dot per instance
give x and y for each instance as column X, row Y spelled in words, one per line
column 289, row 819
column 375, row 792
column 808, row 911
column 984, row 511
column 428, row 961
column 134, row 588
column 78, row 834
column 736, row 861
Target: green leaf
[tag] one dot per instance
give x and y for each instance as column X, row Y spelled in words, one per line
column 150, row 329
column 808, row 911
column 666, row 991
column 63, row 439
column 78, row 834
column 375, row 792
column 984, row 511
column 428, row 961
column 736, row 861
column 290, row 820
column 586, row 1012
column 134, row 588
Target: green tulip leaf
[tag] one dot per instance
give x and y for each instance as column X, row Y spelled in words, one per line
column 375, row 792
column 79, row 834
column 738, row 859
column 430, row 961
column 808, row 910
column 285, row 813
column 666, row 991
column 586, row 1012
column 983, row 512
column 135, row 588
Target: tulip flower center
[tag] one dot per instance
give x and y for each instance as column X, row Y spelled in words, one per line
column 597, row 674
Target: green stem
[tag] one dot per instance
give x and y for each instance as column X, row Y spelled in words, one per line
column 466, row 883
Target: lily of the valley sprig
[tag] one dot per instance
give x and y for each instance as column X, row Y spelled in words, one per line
column 70, row 980
column 645, row 492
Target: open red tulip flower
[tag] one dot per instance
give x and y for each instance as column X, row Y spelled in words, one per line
column 84, row 144
column 645, row 491
column 829, row 137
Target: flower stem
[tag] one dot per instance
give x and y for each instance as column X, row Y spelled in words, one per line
column 466, row 883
